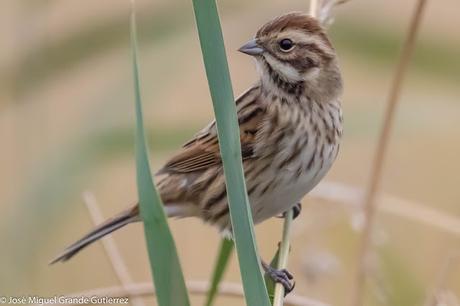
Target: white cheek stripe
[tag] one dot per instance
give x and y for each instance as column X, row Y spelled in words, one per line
column 283, row 69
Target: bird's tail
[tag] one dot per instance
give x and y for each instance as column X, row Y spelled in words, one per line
column 128, row 216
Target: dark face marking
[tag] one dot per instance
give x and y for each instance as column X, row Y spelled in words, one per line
column 289, row 87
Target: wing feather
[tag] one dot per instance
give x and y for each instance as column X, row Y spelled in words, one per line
column 202, row 151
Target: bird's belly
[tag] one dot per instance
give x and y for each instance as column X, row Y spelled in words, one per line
column 291, row 184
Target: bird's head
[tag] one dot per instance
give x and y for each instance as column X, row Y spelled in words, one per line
column 292, row 48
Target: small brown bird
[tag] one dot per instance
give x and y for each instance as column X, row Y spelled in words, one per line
column 290, row 128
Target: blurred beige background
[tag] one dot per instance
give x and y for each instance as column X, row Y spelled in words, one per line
column 66, row 126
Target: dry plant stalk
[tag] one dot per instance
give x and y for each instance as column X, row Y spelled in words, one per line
column 379, row 158
column 314, row 5
column 441, row 280
column 194, row 287
column 110, row 247
column 352, row 197
column 322, row 10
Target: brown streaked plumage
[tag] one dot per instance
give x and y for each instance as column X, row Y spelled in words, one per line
column 290, row 128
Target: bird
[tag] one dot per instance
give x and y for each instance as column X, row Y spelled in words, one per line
column 290, row 123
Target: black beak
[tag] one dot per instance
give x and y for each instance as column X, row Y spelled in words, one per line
column 251, row 48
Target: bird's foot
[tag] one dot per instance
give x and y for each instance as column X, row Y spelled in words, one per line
column 297, row 209
column 283, row 276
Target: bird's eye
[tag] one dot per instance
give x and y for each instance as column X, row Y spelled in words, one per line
column 286, row 44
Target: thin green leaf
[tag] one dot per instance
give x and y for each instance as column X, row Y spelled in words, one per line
column 215, row 60
column 226, row 248
column 164, row 262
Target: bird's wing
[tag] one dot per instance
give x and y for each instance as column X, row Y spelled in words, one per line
column 202, row 151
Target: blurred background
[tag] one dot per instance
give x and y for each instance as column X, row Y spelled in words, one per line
column 66, row 126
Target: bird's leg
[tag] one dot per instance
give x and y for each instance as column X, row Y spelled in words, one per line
column 296, row 210
column 280, row 276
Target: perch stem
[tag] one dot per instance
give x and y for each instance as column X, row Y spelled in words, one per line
column 283, row 256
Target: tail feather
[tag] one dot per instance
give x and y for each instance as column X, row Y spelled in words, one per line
column 124, row 218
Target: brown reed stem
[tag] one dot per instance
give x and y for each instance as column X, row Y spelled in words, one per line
column 379, row 158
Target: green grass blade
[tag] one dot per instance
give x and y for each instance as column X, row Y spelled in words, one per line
column 226, row 248
column 212, row 45
column 164, row 262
